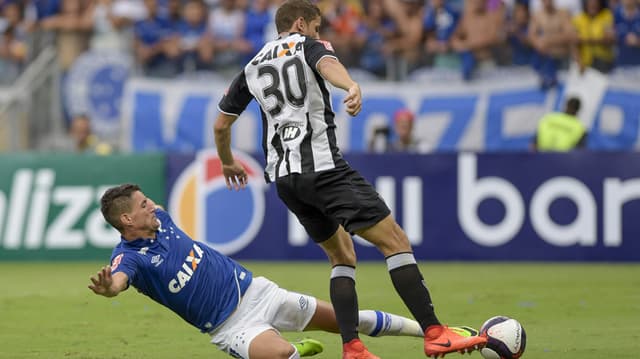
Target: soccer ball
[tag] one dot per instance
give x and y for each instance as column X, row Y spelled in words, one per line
column 506, row 338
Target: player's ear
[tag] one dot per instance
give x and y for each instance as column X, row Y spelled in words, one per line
column 301, row 25
column 126, row 219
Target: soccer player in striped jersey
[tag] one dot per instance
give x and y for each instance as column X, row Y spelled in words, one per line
column 243, row 314
column 289, row 78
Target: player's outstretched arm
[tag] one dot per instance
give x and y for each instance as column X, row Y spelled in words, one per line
column 108, row 285
column 334, row 72
column 234, row 174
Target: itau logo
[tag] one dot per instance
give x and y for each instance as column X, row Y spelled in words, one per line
column 204, row 208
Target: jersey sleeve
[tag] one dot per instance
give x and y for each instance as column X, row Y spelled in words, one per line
column 126, row 263
column 237, row 97
column 315, row 50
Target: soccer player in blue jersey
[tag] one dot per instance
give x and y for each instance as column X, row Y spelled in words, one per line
column 242, row 313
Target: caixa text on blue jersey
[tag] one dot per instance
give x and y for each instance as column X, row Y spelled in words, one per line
column 189, row 267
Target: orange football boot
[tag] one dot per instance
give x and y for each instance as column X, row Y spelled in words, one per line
column 355, row 349
column 440, row 340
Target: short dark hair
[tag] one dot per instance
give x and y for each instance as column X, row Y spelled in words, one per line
column 573, row 106
column 115, row 201
column 291, row 10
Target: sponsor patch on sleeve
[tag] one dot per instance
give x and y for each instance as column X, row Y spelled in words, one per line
column 327, row 45
column 116, row 261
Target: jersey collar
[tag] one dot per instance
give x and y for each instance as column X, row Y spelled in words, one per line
column 282, row 36
column 138, row 242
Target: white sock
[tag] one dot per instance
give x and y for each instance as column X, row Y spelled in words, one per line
column 295, row 354
column 376, row 323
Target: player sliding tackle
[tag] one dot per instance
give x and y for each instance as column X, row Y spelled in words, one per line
column 243, row 314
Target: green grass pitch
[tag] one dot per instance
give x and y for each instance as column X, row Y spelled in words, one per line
column 581, row 311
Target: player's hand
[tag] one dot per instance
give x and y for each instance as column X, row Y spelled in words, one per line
column 103, row 282
column 353, row 100
column 235, row 176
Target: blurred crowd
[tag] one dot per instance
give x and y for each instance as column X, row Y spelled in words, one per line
column 385, row 38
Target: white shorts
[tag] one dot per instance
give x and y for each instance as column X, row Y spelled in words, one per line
column 264, row 306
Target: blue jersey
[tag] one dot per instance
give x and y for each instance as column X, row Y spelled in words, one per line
column 190, row 35
column 624, row 25
column 153, row 30
column 443, row 22
column 521, row 52
column 46, row 8
column 196, row 282
column 255, row 26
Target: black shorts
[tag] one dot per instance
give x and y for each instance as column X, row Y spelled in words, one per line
column 326, row 199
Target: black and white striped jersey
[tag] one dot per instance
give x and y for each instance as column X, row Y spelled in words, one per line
column 298, row 128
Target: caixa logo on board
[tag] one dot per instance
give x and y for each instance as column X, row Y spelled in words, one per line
column 203, row 207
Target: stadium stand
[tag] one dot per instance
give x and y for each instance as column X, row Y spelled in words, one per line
column 380, row 40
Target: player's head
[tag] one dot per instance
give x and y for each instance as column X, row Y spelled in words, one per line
column 573, row 106
column 300, row 16
column 128, row 210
